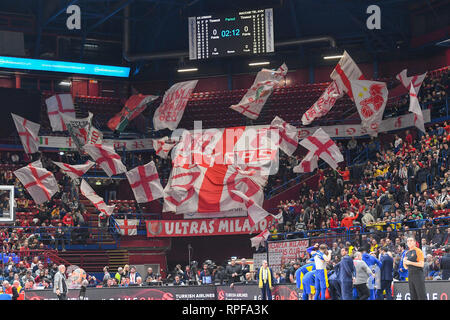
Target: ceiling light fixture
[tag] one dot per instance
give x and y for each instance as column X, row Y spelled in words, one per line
column 188, row 70
column 262, row 63
column 333, row 57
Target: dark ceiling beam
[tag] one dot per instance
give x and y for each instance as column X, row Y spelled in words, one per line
column 56, row 15
column 113, row 11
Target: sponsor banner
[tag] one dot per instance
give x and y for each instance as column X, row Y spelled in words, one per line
column 238, row 212
column 253, row 292
column 258, row 259
column 132, row 293
column 281, row 252
column 119, row 145
column 204, row 227
column 436, row 290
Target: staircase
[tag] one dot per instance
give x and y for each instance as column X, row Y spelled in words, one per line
column 94, row 261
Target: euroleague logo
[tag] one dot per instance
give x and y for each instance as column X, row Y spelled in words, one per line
column 154, row 227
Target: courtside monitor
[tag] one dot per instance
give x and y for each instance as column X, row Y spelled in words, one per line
column 243, row 33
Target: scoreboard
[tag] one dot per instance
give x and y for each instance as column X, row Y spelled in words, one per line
column 243, row 33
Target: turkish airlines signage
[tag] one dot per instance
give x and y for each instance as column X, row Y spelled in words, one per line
column 203, row 227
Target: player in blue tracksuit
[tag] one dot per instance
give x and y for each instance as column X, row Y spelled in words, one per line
column 300, row 273
column 403, row 273
column 322, row 257
column 374, row 281
column 308, row 282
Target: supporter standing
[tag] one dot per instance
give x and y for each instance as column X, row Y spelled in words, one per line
column 362, row 274
column 60, row 284
column 265, row 281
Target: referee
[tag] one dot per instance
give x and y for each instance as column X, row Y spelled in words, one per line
column 414, row 262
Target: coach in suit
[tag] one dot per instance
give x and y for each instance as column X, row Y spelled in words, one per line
column 386, row 270
column 265, row 281
column 60, row 284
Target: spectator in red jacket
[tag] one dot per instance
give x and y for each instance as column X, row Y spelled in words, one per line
column 347, row 221
column 68, row 219
column 345, row 174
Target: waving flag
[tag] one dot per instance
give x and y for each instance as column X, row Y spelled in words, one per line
column 308, row 164
column 96, row 200
column 133, row 107
column 144, row 182
column 57, row 105
column 256, row 241
column 74, row 171
column 28, row 133
column 163, row 146
column 255, row 212
column 40, row 183
column 345, row 71
column 370, row 99
column 287, row 135
column 322, row 106
column 321, row 145
column 171, row 109
column 414, row 107
column 82, row 131
column 255, row 98
column 415, row 80
column 106, row 158
column 128, row 227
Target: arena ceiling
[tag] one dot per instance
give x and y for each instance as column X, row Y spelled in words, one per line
column 160, row 27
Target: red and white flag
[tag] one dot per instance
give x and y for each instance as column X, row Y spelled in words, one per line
column 255, row 98
column 106, row 158
column 287, row 135
column 171, row 109
column 321, row 145
column 28, row 133
column 74, row 171
column 163, row 146
column 57, row 105
column 414, row 107
column 82, row 131
column 415, row 80
column 128, row 227
column 370, row 99
column 144, row 182
column 322, row 106
column 308, row 164
column 96, row 200
column 260, row 238
column 255, row 212
column 345, row 71
column 40, row 183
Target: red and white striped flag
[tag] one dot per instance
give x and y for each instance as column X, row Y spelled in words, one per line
column 370, row 99
column 287, row 135
column 57, row 105
column 171, row 109
column 345, row 71
column 255, row 98
column 106, row 158
column 163, row 146
column 415, row 80
column 321, row 145
column 96, row 200
column 322, row 106
column 144, row 182
column 414, row 107
column 74, row 171
column 28, row 133
column 40, row 183
column 260, row 238
column 308, row 164
column 128, row 227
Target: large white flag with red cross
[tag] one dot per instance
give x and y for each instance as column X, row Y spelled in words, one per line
column 370, row 99
column 321, row 145
column 28, row 133
column 106, row 158
column 163, row 146
column 345, row 71
column 96, row 200
column 253, row 101
column 414, row 107
column 144, row 182
column 255, row 212
column 308, row 164
column 74, row 171
column 57, row 105
column 171, row 109
column 257, row 240
column 128, row 227
column 287, row 135
column 40, row 183
column 324, row 104
column 406, row 81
